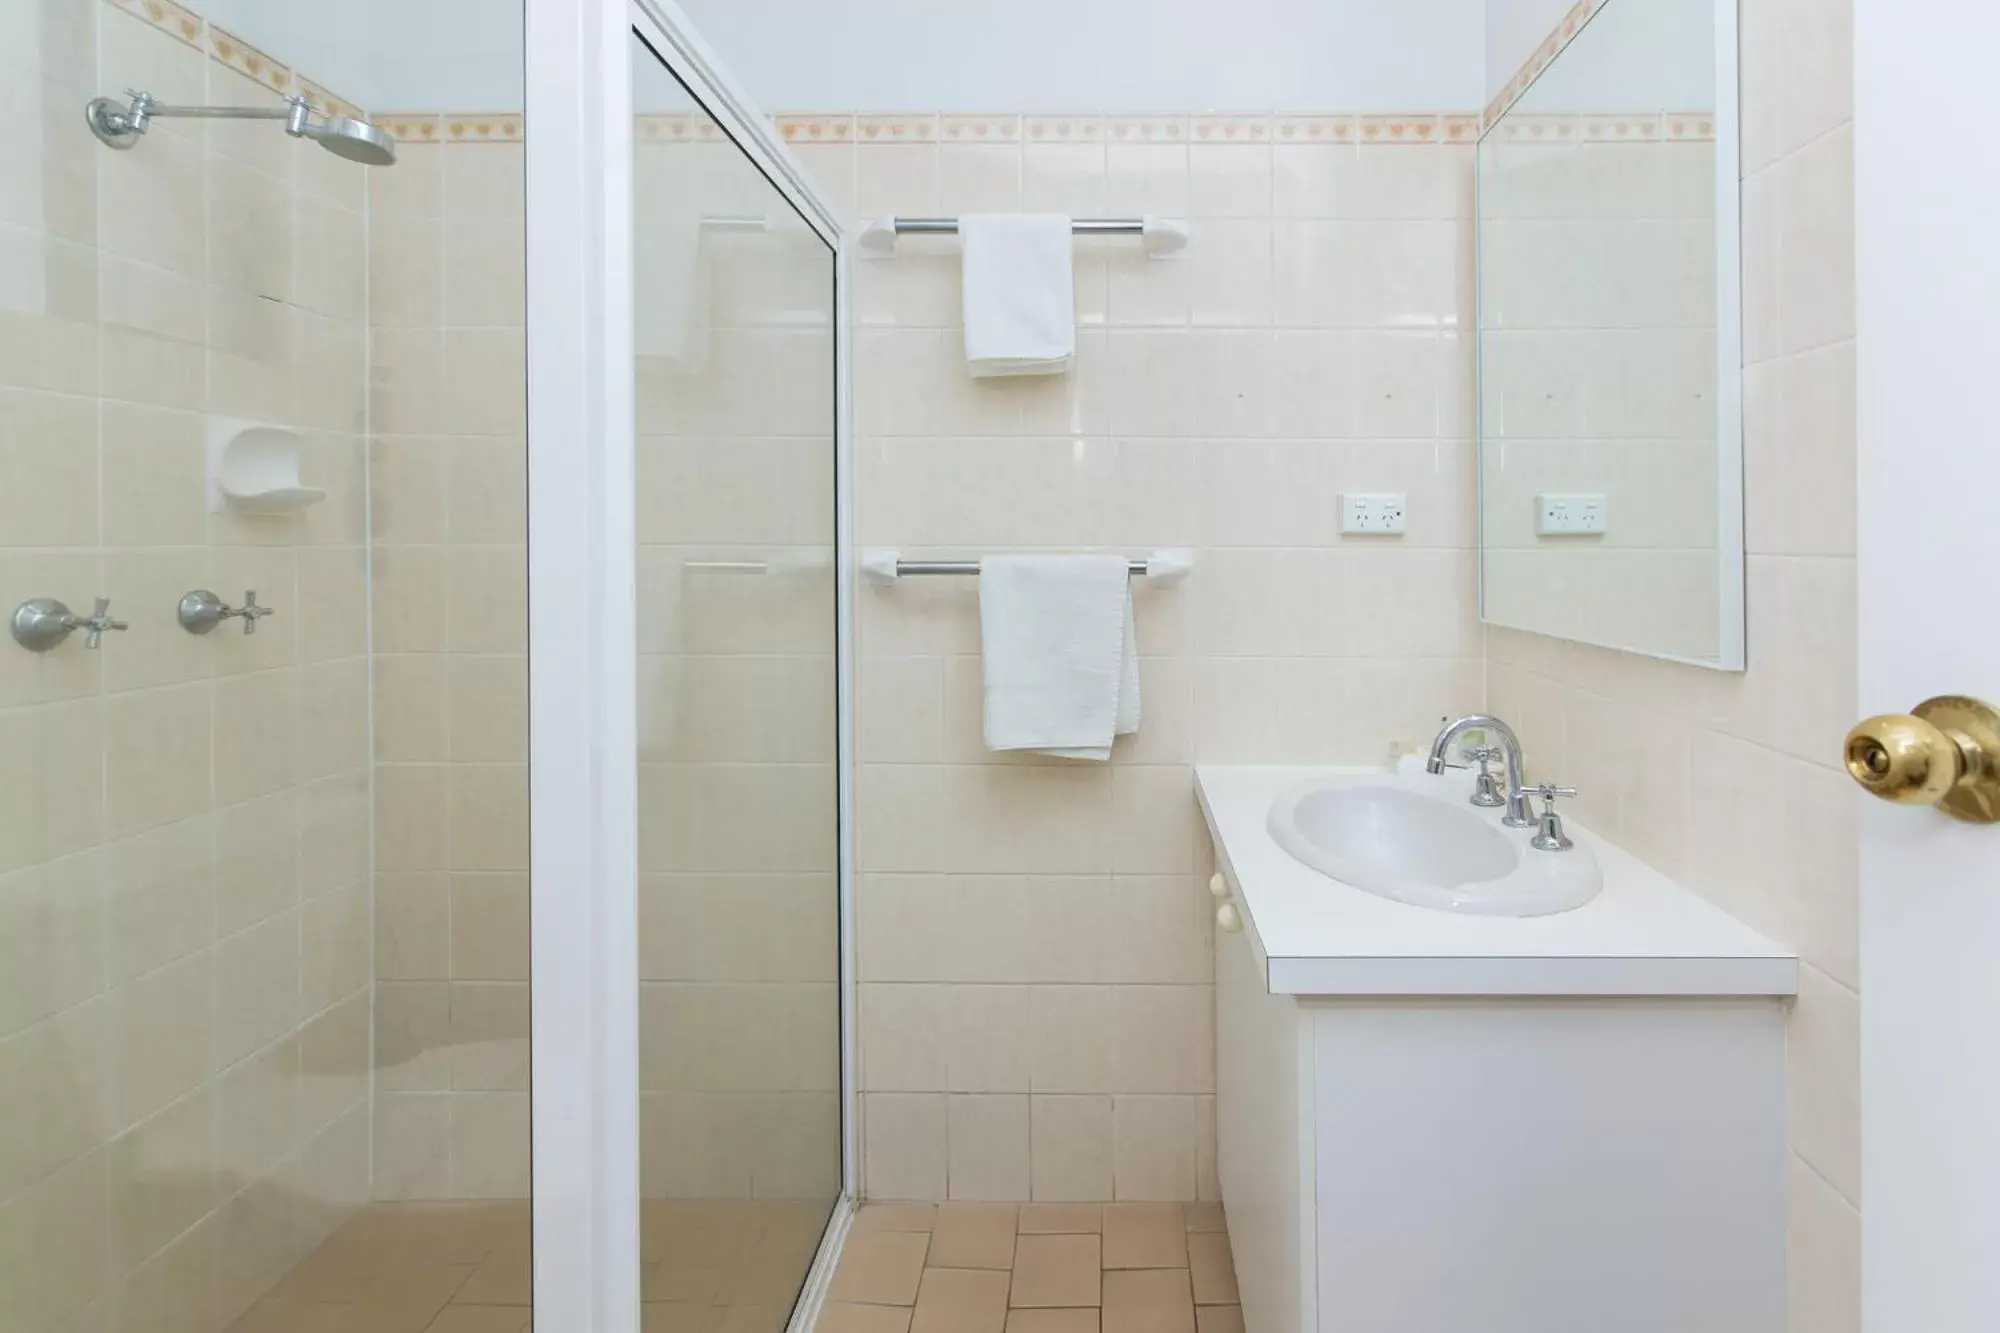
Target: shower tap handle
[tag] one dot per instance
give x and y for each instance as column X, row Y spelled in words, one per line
column 98, row 621
column 251, row 613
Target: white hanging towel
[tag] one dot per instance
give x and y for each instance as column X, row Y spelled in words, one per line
column 1020, row 293
column 1060, row 656
column 670, row 274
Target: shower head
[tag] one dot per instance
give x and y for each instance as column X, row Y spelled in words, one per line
column 356, row 140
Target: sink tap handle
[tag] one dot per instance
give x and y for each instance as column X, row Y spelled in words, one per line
column 1549, row 834
column 1486, row 793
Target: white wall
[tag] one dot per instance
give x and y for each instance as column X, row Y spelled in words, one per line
column 391, row 55
column 1635, row 55
column 1514, row 28
column 1100, row 55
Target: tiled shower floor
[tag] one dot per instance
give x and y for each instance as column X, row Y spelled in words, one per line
column 1035, row 1268
column 718, row 1266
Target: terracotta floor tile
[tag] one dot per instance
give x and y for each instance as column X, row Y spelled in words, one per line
column 1144, row 1235
column 751, row 1318
column 675, row 1317
column 499, row 1281
column 663, row 1282
column 961, row 1300
column 973, row 1235
column 1218, row 1319
column 1204, row 1217
column 863, row 1319
column 881, row 1268
column 479, row 1319
column 1213, row 1270
column 1037, row 1218
column 1056, row 1271
column 1148, row 1300
column 1052, row 1321
column 896, row 1217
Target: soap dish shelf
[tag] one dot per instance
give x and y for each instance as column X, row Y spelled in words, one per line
column 254, row 468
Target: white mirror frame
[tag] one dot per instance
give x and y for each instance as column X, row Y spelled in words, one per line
column 1732, row 653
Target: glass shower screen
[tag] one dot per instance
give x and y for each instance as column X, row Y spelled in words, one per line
column 739, row 1060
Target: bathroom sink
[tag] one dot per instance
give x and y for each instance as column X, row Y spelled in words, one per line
column 1418, row 841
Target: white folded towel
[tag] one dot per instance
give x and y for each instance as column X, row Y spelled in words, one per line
column 670, row 274
column 1020, row 293
column 1060, row 655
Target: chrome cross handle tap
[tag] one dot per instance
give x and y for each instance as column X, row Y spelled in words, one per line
column 40, row 623
column 1485, row 787
column 1518, row 813
column 201, row 611
column 1550, row 836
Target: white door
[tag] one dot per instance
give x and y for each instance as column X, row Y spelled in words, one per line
column 1928, row 274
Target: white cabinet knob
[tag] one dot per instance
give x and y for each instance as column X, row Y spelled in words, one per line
column 1218, row 887
column 1228, row 919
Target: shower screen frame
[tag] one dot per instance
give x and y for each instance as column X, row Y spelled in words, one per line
column 583, row 731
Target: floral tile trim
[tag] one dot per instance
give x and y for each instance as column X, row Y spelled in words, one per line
column 482, row 127
column 165, row 15
column 232, row 52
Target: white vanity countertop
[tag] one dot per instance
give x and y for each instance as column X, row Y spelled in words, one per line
column 1643, row 935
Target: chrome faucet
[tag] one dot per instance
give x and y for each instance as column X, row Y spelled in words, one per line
column 1519, row 814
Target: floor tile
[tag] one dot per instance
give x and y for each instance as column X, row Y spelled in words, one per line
column 1148, row 1300
column 863, row 1319
column 1213, row 1270
column 881, row 1268
column 479, row 1319
column 675, row 1317
column 1052, row 1321
column 751, row 1318
column 664, row 1282
column 1037, row 1218
column 961, row 1300
column 973, row 1235
column 1204, row 1217
column 895, row 1217
column 1218, row 1319
column 501, row 1280
column 1144, row 1235
column 1056, row 1271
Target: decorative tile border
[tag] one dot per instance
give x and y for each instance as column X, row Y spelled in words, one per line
column 899, row 128
column 1062, row 129
column 482, row 126
column 412, row 127
column 1552, row 46
column 1243, row 128
column 677, row 127
column 984, row 128
column 1563, row 128
column 232, row 52
column 816, row 126
column 1146, row 129
column 225, row 48
column 165, row 15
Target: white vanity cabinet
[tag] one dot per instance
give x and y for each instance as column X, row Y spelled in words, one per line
column 1606, row 1158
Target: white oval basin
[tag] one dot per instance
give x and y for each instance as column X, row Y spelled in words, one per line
column 1436, row 851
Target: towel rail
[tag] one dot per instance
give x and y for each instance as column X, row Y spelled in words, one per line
column 1162, row 567
column 1163, row 236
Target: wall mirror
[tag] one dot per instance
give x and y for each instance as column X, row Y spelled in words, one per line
column 1610, row 340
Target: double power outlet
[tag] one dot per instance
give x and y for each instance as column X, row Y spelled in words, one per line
column 1377, row 513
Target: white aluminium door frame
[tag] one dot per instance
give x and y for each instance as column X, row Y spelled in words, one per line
column 583, row 816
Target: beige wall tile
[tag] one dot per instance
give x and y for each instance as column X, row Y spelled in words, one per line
column 986, row 1139
column 1070, row 1147
column 904, row 1138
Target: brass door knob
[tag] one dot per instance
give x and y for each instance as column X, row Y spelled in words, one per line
column 1945, row 752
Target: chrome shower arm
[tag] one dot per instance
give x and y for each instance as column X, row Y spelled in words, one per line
column 119, row 126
